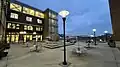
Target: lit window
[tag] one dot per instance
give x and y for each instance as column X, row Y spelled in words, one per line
column 9, row 25
column 28, row 11
column 41, row 29
column 25, row 10
column 30, row 28
column 39, row 21
column 31, row 12
column 52, row 29
column 54, row 16
column 37, row 28
column 52, row 22
column 29, row 19
column 25, row 27
column 17, row 26
column 50, row 14
column 15, row 7
column 39, row 14
column 14, row 15
column 13, row 26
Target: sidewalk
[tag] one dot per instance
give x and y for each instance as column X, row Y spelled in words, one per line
column 101, row 56
column 17, row 50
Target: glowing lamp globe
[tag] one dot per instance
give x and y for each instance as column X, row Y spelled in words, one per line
column 94, row 30
column 105, row 31
column 63, row 13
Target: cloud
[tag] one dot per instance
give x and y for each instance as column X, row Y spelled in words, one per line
column 84, row 14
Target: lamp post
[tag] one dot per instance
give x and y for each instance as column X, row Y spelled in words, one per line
column 77, row 41
column 92, row 37
column 63, row 14
column 106, row 35
column 94, row 32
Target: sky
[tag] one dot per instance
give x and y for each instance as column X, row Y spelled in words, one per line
column 84, row 15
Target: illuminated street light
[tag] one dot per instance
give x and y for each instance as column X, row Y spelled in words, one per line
column 106, row 35
column 91, row 35
column 105, row 31
column 64, row 14
column 94, row 31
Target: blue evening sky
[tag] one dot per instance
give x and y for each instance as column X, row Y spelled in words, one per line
column 84, row 14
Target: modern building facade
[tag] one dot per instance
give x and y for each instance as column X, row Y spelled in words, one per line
column 26, row 23
column 115, row 17
column 51, row 25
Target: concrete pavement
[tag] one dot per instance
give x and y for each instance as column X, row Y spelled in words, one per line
column 102, row 56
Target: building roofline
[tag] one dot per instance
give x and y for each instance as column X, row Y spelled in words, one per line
column 50, row 10
column 25, row 5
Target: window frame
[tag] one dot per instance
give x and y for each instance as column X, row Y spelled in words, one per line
column 14, row 15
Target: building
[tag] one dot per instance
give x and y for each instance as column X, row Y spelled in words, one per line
column 115, row 17
column 51, row 25
column 26, row 23
column 3, row 6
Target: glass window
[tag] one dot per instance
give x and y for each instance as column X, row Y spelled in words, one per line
column 25, row 27
column 41, row 37
column 30, row 37
column 15, row 7
column 39, row 21
column 25, row 10
column 41, row 29
column 30, row 28
column 52, row 22
column 28, row 11
column 39, row 14
column 31, row 12
column 13, row 26
column 37, row 28
column 17, row 26
column 52, row 29
column 29, row 19
column 50, row 14
column 9, row 25
column 54, row 16
column 14, row 15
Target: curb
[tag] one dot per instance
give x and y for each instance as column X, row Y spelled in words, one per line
column 53, row 47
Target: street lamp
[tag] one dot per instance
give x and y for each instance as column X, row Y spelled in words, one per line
column 94, row 31
column 77, row 41
column 91, row 35
column 63, row 14
column 106, row 35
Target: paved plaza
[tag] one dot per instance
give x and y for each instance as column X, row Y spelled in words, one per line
column 100, row 56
